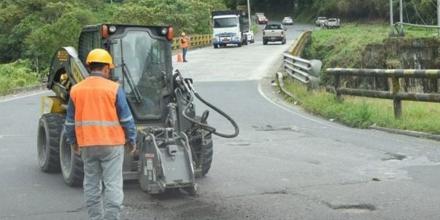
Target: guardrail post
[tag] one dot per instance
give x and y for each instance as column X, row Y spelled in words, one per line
column 397, row 102
column 435, row 85
column 337, row 83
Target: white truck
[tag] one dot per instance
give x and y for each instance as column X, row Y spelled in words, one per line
column 274, row 32
column 231, row 27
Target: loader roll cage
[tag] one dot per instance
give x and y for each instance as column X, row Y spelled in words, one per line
column 143, row 68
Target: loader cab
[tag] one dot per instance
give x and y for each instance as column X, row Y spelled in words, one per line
column 142, row 56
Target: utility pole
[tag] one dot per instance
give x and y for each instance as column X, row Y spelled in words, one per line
column 401, row 18
column 401, row 11
column 249, row 15
column 392, row 14
column 438, row 16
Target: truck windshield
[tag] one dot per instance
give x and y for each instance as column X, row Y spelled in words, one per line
column 140, row 67
column 225, row 22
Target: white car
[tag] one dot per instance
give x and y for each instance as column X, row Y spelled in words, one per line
column 320, row 21
column 333, row 23
column 250, row 37
column 287, row 21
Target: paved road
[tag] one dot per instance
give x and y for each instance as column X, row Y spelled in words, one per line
column 285, row 164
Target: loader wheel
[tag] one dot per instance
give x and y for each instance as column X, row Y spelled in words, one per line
column 48, row 139
column 71, row 164
column 204, row 152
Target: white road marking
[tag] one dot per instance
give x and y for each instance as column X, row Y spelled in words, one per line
column 260, row 90
column 22, row 96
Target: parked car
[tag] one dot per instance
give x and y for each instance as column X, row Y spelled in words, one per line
column 287, row 21
column 250, row 37
column 274, row 32
column 261, row 18
column 320, row 21
column 333, row 23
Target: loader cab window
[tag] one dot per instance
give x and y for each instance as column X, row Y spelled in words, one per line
column 141, row 68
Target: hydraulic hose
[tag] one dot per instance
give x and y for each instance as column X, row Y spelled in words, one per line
column 187, row 85
column 233, row 123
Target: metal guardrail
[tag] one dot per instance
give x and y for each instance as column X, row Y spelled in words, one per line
column 302, row 70
column 195, row 41
column 298, row 47
column 395, row 94
column 305, row 71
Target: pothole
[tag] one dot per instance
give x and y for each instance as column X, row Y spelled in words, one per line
column 271, row 128
column 239, row 144
column 375, row 179
column 353, row 208
column 394, row 156
column 280, row 192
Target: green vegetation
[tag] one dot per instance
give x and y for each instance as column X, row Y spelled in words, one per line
column 33, row 30
column 364, row 112
column 16, row 75
column 344, row 48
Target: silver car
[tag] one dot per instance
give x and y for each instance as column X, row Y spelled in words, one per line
column 287, row 21
column 333, row 23
column 320, row 21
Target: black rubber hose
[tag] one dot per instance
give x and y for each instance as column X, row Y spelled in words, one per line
column 187, row 86
column 209, row 128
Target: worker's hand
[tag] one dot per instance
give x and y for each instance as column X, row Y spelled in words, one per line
column 132, row 148
column 76, row 149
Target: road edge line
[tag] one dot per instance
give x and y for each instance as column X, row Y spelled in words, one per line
column 10, row 98
column 417, row 134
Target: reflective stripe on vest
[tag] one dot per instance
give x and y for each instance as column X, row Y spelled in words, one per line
column 97, row 123
column 96, row 119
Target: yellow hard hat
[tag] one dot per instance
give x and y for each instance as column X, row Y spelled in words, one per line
column 100, row 56
column 183, row 34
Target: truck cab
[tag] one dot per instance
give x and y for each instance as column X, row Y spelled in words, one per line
column 229, row 27
column 226, row 30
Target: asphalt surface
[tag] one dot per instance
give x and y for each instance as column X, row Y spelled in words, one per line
column 285, row 164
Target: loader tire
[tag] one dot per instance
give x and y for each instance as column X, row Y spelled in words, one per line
column 48, row 142
column 205, row 153
column 71, row 164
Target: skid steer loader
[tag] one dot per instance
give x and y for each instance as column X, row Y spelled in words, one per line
column 175, row 145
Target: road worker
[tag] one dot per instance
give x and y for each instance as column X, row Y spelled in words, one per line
column 98, row 125
column 184, row 44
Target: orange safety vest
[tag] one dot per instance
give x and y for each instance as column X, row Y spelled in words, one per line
column 96, row 118
column 184, row 42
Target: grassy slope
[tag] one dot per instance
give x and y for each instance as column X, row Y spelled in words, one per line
column 342, row 48
column 363, row 112
column 16, row 75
